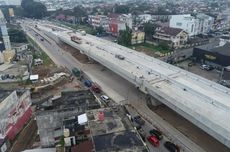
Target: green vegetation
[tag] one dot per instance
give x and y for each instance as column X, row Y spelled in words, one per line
column 149, row 29
column 100, row 30
column 125, row 37
column 62, row 141
column 39, row 53
column 33, row 9
column 151, row 47
column 17, row 36
column 88, row 29
column 122, row 9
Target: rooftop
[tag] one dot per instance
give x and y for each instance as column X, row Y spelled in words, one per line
column 169, row 31
column 115, row 132
column 213, row 47
column 5, row 93
column 83, row 100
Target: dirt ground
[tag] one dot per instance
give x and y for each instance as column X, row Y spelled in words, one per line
column 74, row 52
column 194, row 133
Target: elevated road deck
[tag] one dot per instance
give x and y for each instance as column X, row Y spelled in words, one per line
column 203, row 102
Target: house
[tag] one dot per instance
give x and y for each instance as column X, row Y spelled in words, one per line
column 137, row 37
column 175, row 37
column 193, row 25
column 118, row 22
column 61, row 113
column 99, row 20
column 15, row 112
column 144, row 18
column 20, row 49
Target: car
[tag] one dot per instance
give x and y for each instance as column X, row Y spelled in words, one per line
column 206, row 67
column 157, row 133
column 105, row 98
column 171, row 146
column 153, row 140
column 139, row 120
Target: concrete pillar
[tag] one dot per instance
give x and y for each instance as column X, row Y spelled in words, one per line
column 152, row 101
column 155, row 102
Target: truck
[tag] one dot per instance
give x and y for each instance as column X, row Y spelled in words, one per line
column 76, row 72
column 76, row 39
column 96, row 88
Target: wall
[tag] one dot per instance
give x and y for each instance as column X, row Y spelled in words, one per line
column 14, row 113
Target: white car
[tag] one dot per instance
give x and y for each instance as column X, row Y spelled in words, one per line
column 105, row 98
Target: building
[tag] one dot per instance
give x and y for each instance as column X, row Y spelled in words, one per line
column 118, row 22
column 144, row 18
column 8, row 53
column 137, row 37
column 51, row 114
column 218, row 56
column 193, row 25
column 99, row 20
column 205, row 23
column 175, row 37
column 15, row 112
column 20, row 49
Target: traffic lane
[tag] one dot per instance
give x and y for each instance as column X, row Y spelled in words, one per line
column 62, row 57
column 147, row 127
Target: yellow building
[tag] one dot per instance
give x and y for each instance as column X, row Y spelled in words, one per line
column 138, row 37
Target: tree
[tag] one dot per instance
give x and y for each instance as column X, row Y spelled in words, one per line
column 17, row 36
column 125, row 37
column 164, row 46
column 100, row 30
column 121, row 9
column 33, row 9
column 149, row 29
column 79, row 12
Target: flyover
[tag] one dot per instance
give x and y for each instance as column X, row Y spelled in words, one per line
column 203, row 102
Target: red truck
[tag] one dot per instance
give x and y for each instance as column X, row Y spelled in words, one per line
column 76, row 39
column 96, row 88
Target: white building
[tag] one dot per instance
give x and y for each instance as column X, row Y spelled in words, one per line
column 205, row 23
column 193, row 25
column 99, row 20
column 145, row 18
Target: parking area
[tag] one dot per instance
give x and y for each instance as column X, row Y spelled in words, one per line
column 212, row 75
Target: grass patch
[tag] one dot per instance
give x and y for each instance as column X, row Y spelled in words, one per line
column 150, row 47
column 39, row 53
column 87, row 28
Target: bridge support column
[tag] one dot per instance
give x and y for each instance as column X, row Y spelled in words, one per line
column 152, row 101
